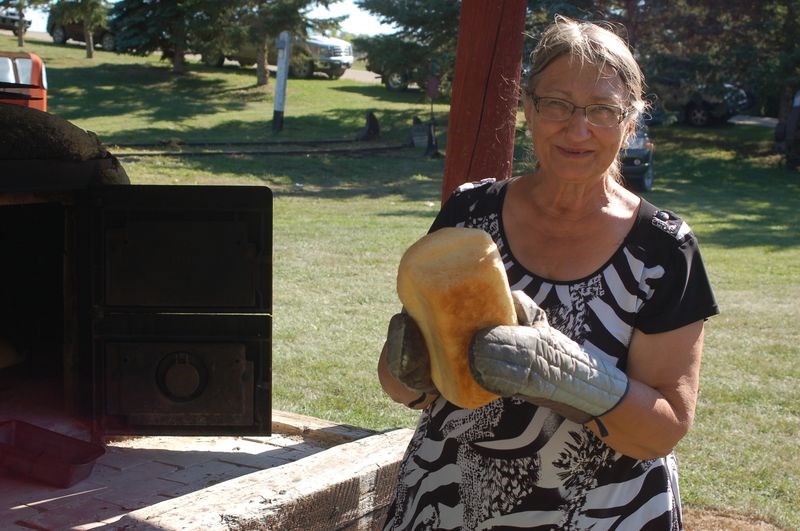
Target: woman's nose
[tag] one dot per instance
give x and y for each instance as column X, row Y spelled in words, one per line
column 577, row 125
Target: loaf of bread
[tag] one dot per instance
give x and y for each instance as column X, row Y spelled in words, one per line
column 453, row 283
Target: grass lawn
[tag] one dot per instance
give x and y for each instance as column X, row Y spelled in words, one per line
column 342, row 222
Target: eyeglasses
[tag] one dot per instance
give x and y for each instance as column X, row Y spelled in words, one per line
column 557, row 110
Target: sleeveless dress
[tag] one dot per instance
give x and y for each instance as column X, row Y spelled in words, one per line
column 513, row 465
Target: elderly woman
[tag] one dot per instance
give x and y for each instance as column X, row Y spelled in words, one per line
column 620, row 278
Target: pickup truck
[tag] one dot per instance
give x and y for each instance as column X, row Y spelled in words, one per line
column 9, row 20
column 315, row 53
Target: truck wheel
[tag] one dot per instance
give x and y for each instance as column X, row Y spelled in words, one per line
column 697, row 115
column 646, row 184
column 59, row 35
column 302, row 70
column 213, row 59
column 396, row 82
column 107, row 42
column 336, row 73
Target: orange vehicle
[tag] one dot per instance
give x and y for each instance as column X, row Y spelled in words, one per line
column 23, row 80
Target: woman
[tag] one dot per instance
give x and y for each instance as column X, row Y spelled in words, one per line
column 622, row 279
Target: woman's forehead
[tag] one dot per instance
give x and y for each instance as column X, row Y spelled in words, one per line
column 569, row 75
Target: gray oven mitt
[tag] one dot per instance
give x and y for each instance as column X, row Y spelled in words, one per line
column 407, row 354
column 540, row 364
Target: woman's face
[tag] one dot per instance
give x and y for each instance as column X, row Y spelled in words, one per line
column 573, row 150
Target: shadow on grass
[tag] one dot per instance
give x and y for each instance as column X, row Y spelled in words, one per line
column 152, row 91
column 379, row 93
column 730, row 174
column 334, row 124
column 406, row 174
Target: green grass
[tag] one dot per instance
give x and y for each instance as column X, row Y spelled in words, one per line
column 341, row 224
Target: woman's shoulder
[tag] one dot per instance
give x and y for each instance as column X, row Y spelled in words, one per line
column 470, row 201
column 482, row 187
column 655, row 224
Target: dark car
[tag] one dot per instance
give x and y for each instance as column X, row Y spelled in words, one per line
column 637, row 160
column 62, row 29
column 401, row 62
column 9, row 20
column 700, row 104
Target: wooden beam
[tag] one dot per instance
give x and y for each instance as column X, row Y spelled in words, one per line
column 316, row 430
column 483, row 109
column 348, row 486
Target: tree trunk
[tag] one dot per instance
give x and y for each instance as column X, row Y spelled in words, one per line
column 88, row 38
column 21, row 24
column 178, row 60
column 179, row 41
column 262, row 73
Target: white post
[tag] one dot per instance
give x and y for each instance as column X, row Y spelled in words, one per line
column 284, row 45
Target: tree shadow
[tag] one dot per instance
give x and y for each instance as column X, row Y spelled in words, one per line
column 379, row 93
column 732, row 174
column 157, row 93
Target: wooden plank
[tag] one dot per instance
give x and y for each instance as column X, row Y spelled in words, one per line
column 345, row 487
column 317, row 430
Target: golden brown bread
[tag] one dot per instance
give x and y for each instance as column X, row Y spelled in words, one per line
column 453, row 283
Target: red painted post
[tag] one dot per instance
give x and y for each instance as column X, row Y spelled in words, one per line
column 483, row 107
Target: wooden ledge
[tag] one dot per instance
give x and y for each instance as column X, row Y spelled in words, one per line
column 316, row 430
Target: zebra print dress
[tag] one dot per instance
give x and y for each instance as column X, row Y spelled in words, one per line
column 513, row 465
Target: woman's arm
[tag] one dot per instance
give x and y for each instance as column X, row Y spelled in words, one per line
column 397, row 391
column 658, row 409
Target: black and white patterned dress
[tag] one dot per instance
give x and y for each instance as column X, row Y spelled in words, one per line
column 513, row 465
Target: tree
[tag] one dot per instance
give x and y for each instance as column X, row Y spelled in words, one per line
column 260, row 22
column 142, row 28
column 269, row 19
column 702, row 42
column 177, row 26
column 424, row 44
column 91, row 14
column 21, row 6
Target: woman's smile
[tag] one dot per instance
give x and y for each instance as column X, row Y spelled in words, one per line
column 574, row 152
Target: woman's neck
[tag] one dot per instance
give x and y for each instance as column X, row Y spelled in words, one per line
column 571, row 202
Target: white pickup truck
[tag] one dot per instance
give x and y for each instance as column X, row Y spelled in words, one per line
column 315, row 53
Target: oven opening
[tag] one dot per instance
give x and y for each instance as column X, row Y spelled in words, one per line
column 35, row 359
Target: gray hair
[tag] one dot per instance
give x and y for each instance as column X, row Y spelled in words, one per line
column 593, row 44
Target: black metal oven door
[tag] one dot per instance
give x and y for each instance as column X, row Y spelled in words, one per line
column 181, row 309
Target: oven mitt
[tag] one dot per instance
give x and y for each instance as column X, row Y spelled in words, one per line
column 407, row 355
column 540, row 364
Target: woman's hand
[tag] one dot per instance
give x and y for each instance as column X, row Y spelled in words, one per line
column 404, row 369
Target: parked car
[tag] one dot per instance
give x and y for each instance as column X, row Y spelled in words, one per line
column 62, row 30
column 316, row 53
column 702, row 104
column 9, row 20
column 637, row 160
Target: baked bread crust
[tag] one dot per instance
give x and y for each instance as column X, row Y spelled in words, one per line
column 453, row 283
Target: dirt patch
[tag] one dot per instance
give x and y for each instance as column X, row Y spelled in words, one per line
column 705, row 520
